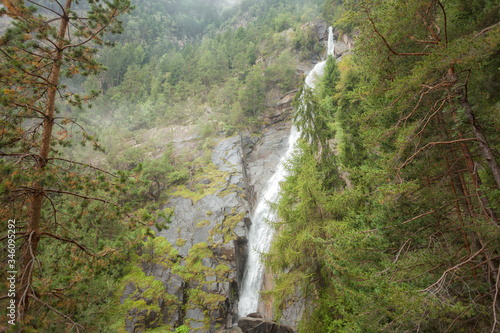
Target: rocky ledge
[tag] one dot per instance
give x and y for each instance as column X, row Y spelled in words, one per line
column 254, row 323
column 189, row 274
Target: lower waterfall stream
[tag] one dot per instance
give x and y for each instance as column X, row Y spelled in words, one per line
column 260, row 232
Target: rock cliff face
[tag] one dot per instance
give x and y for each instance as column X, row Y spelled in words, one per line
column 190, row 273
column 344, row 43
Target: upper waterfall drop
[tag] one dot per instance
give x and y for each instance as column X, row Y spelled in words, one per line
column 260, row 233
column 319, row 69
column 331, row 43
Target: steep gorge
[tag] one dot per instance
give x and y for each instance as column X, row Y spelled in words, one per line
column 200, row 258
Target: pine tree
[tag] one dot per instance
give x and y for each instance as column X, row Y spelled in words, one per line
column 46, row 43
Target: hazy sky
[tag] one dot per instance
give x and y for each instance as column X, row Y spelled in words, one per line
column 231, row 2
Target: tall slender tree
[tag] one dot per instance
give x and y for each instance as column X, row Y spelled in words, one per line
column 47, row 41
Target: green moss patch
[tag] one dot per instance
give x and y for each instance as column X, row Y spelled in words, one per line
column 195, row 190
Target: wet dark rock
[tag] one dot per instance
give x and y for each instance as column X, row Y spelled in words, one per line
column 260, row 325
column 234, row 329
column 321, row 30
column 255, row 315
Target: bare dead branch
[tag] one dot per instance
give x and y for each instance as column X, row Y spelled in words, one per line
column 454, row 268
column 401, row 249
column 445, row 23
column 83, row 164
column 495, row 320
column 75, row 325
column 485, row 30
column 424, row 41
column 432, row 115
column 416, row 277
column 430, row 144
column 68, row 241
column 429, row 26
column 405, row 222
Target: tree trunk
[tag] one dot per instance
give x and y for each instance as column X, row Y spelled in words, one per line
column 33, row 230
column 478, row 131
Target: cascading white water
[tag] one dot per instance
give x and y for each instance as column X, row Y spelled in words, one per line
column 260, row 236
column 331, row 44
column 261, row 233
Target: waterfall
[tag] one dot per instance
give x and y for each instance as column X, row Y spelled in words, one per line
column 331, row 44
column 261, row 233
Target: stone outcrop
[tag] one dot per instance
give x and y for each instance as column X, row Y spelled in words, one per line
column 344, row 43
column 263, row 160
column 261, row 325
column 234, row 329
column 190, row 273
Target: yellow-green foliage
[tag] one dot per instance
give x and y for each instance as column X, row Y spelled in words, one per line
column 225, row 229
column 202, row 224
column 209, row 301
column 197, row 190
column 230, row 189
column 159, row 251
column 149, row 300
column 180, row 242
column 148, row 291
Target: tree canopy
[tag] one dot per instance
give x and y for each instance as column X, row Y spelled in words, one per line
column 410, row 243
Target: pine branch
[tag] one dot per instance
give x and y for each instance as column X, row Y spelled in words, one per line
column 440, row 281
column 83, row 164
column 94, row 35
column 81, row 196
column 75, row 325
column 68, row 241
column 427, row 146
column 387, row 43
column 46, row 8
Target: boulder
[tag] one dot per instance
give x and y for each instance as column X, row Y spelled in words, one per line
column 260, row 325
column 234, row 329
column 255, row 315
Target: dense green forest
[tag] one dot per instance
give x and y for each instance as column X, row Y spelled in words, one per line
column 388, row 220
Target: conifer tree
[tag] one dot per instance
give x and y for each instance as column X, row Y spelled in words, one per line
column 46, row 43
column 413, row 244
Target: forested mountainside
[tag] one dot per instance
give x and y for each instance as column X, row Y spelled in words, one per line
column 137, row 136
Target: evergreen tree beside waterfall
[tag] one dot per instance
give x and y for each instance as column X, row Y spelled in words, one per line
column 412, row 243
